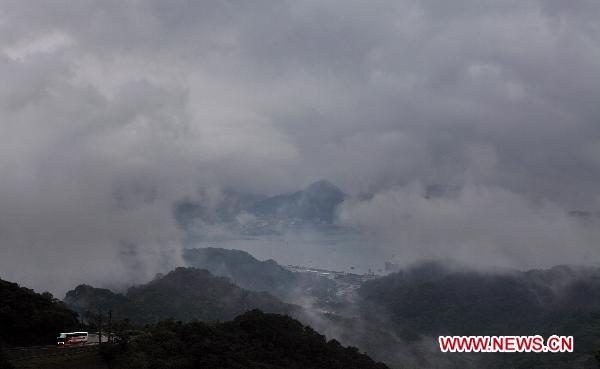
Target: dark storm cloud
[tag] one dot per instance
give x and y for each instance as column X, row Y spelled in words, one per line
column 112, row 110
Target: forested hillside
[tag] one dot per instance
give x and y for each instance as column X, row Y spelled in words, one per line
column 255, row 275
column 184, row 294
column 30, row 318
column 252, row 340
column 432, row 299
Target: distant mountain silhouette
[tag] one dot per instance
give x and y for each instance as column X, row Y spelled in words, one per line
column 184, row 294
column 432, row 299
column 255, row 215
column 316, row 204
column 255, row 275
column 243, row 269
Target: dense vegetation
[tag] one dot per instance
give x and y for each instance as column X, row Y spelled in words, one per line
column 184, row 294
column 243, row 269
column 29, row 318
column 395, row 318
column 431, row 300
column 4, row 363
column 252, row 340
column 434, row 299
column 255, row 275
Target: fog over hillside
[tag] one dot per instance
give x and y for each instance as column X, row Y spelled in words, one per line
column 462, row 130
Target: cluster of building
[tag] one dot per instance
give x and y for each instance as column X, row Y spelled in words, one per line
column 337, row 276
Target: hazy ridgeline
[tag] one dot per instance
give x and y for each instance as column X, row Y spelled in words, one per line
column 334, row 134
column 253, row 339
column 395, row 319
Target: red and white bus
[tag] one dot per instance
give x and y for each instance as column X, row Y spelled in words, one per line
column 72, row 338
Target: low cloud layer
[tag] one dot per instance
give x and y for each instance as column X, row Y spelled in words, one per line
column 480, row 226
column 111, row 111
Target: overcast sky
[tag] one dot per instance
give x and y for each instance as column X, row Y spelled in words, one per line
column 112, row 110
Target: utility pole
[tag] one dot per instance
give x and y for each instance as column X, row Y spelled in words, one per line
column 100, row 328
column 110, row 324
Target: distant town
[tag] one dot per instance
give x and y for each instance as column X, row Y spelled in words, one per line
column 342, row 277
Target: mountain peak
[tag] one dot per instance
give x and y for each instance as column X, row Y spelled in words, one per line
column 314, row 205
column 324, row 186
